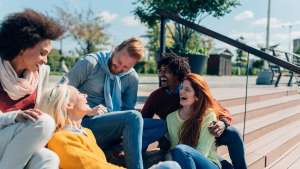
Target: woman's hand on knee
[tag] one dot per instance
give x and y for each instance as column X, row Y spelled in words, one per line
column 217, row 128
column 30, row 114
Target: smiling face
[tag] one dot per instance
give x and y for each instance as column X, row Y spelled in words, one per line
column 187, row 94
column 167, row 78
column 79, row 103
column 32, row 58
column 121, row 62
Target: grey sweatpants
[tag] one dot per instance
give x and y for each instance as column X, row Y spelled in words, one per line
column 22, row 145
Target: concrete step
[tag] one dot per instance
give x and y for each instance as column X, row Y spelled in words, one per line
column 288, row 159
column 266, row 149
column 258, row 127
column 271, row 146
column 256, row 96
column 229, row 97
column 295, row 165
column 258, row 109
column 262, row 125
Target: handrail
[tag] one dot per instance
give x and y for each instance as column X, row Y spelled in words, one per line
column 281, row 51
column 230, row 41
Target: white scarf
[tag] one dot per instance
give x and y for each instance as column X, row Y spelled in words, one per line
column 14, row 86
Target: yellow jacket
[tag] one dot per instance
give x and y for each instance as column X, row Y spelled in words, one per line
column 78, row 151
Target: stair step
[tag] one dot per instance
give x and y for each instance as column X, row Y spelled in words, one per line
column 262, row 125
column 275, row 147
column 264, row 150
column 288, row 159
column 296, row 165
column 258, row 127
column 264, row 95
column 259, row 109
column 234, row 96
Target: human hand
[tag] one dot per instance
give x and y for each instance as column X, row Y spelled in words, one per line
column 217, row 128
column 30, row 114
column 98, row 110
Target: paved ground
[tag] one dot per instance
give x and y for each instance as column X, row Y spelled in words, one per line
column 222, row 86
column 150, row 82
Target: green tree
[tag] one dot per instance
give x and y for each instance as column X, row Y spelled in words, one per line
column 87, row 28
column 153, row 43
column 199, row 44
column 241, row 58
column 192, row 10
column 54, row 60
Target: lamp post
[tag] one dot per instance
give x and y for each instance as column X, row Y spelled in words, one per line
column 265, row 77
column 290, row 27
column 290, row 38
column 268, row 25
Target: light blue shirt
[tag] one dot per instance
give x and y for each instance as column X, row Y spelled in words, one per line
column 88, row 77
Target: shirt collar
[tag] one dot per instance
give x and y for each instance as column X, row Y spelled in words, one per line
column 173, row 92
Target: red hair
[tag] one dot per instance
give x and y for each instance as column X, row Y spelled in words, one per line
column 190, row 131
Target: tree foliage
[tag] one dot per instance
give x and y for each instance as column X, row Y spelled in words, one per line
column 153, row 34
column 241, row 57
column 192, row 10
column 55, row 61
column 87, row 28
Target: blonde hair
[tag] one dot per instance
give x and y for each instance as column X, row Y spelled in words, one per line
column 134, row 46
column 55, row 102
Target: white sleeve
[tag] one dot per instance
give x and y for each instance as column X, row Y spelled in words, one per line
column 8, row 118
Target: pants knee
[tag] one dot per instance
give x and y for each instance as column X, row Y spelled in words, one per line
column 45, row 126
column 181, row 147
column 230, row 138
column 44, row 159
column 178, row 150
column 166, row 165
column 135, row 117
column 234, row 134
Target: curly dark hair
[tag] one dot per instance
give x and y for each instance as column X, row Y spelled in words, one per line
column 24, row 30
column 178, row 65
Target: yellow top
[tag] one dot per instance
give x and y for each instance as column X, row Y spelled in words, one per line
column 79, row 151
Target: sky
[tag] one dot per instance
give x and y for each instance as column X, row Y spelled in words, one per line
column 247, row 20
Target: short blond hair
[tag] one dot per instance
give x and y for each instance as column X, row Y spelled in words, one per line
column 54, row 102
column 135, row 47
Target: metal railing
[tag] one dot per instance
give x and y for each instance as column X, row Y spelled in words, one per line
column 166, row 15
column 172, row 16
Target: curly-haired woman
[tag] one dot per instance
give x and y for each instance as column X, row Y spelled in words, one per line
column 25, row 42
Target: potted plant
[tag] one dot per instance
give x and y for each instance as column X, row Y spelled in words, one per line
column 194, row 11
column 195, row 50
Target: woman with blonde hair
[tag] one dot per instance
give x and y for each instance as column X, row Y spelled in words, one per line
column 109, row 79
column 75, row 145
column 193, row 146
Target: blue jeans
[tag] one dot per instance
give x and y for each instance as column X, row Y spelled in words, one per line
column 190, row 158
column 232, row 139
column 154, row 129
column 166, row 165
column 111, row 127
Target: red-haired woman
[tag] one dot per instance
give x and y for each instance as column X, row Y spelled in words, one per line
column 193, row 146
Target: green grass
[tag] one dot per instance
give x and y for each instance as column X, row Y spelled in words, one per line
column 56, row 73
